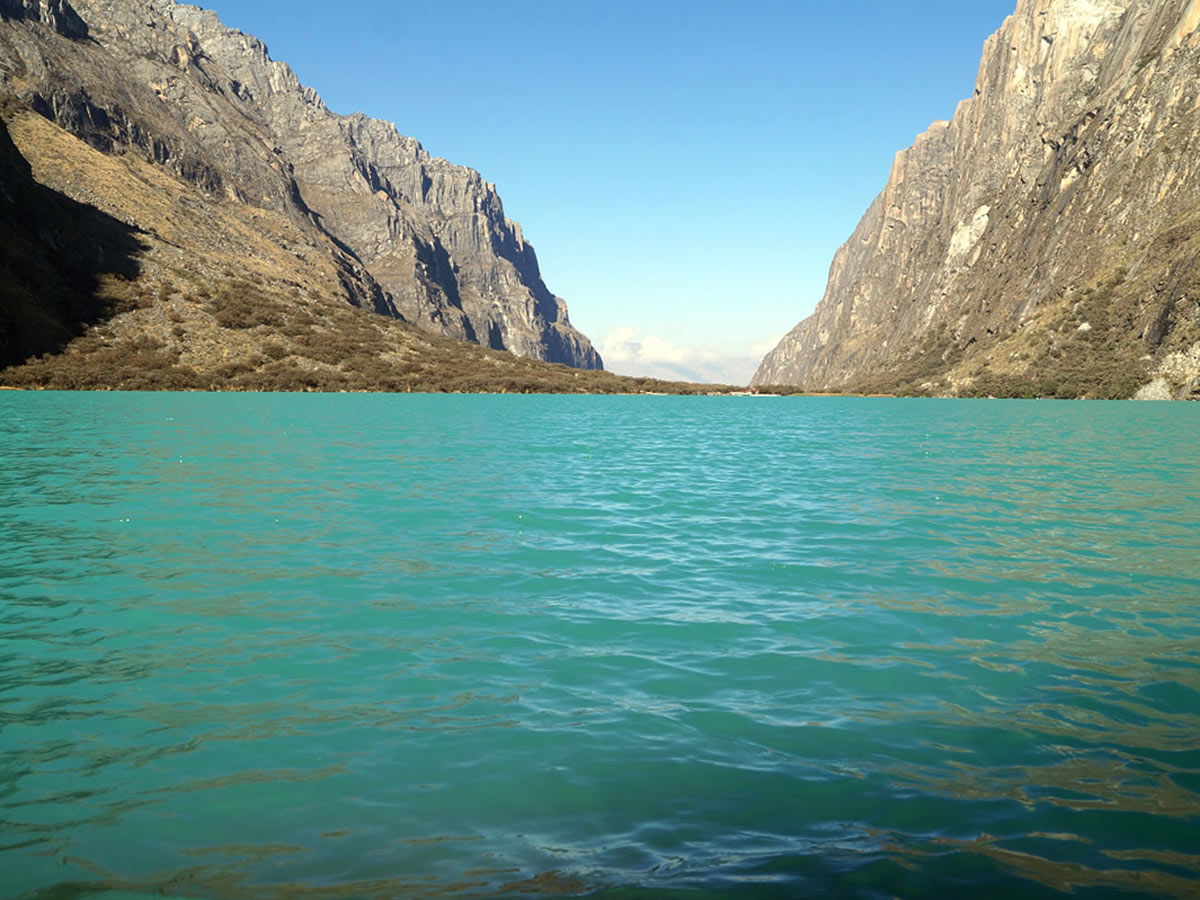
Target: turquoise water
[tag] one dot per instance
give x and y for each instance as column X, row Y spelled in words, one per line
column 313, row 646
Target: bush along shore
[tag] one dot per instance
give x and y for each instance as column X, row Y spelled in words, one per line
column 244, row 335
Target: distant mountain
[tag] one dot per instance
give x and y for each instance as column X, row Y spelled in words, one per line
column 169, row 185
column 1046, row 240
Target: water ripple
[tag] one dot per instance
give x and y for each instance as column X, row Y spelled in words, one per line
column 323, row 647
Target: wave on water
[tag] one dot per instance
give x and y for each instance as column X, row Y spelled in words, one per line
column 365, row 646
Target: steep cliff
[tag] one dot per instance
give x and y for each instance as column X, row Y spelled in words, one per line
column 408, row 235
column 1045, row 240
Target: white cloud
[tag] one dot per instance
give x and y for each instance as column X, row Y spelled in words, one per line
column 629, row 351
column 765, row 346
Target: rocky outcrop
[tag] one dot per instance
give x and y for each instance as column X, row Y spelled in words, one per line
column 1043, row 241
column 1177, row 377
column 412, row 236
column 57, row 14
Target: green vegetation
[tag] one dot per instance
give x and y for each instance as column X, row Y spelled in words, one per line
column 1092, row 351
column 907, row 376
column 143, row 364
column 240, row 305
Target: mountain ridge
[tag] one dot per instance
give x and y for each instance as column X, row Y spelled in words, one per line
column 1043, row 240
column 412, row 236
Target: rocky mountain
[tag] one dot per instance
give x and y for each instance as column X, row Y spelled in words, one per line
column 232, row 178
column 1046, row 240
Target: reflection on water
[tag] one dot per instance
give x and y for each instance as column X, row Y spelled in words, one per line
column 279, row 647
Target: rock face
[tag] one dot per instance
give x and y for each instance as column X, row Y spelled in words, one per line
column 1044, row 241
column 412, row 236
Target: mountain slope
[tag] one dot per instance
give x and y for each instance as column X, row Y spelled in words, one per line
column 1045, row 240
column 406, row 235
column 207, row 295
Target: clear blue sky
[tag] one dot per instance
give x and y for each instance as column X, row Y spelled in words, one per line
column 685, row 168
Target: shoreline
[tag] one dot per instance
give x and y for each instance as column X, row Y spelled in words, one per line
column 714, row 393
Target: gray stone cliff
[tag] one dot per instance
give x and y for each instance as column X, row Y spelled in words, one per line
column 414, row 236
column 1045, row 239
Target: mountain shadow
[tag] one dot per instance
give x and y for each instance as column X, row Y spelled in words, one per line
column 53, row 253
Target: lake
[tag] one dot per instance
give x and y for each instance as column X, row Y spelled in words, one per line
column 335, row 646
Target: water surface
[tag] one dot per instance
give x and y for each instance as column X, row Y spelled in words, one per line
column 320, row 646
